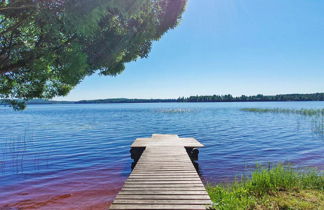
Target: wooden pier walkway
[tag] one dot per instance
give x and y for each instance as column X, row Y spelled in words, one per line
column 164, row 176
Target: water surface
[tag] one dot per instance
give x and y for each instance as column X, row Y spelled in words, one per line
column 77, row 156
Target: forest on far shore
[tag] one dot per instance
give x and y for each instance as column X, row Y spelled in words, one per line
column 197, row 98
column 259, row 97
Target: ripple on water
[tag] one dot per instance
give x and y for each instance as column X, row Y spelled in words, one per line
column 67, row 156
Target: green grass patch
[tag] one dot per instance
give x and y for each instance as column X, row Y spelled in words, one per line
column 281, row 187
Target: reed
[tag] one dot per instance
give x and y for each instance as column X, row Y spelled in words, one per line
column 316, row 116
column 306, row 112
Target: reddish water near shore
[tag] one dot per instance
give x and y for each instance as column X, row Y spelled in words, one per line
column 93, row 189
column 77, row 156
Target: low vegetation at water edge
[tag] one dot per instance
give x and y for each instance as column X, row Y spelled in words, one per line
column 281, row 187
column 316, row 116
column 306, row 112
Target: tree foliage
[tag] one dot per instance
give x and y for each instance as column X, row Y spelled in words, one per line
column 48, row 46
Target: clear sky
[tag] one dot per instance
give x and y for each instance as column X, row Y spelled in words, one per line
column 226, row 47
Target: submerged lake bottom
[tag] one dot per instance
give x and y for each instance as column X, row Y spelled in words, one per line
column 76, row 156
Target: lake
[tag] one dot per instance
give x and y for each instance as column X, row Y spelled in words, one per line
column 76, row 156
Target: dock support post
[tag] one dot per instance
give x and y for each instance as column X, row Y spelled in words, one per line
column 193, row 153
column 136, row 153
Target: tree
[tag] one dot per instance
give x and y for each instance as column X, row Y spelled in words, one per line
column 48, row 46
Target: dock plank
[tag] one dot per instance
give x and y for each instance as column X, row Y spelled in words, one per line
column 162, row 192
column 156, row 206
column 164, row 177
column 169, row 202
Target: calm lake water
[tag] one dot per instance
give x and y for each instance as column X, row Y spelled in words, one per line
column 77, row 156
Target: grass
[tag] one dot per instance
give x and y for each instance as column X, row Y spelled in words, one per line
column 305, row 112
column 281, row 187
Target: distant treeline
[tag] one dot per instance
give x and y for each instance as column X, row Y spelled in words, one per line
column 259, row 97
column 125, row 100
column 207, row 98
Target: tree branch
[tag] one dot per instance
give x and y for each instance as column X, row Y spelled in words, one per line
column 13, row 67
column 16, row 8
column 13, row 27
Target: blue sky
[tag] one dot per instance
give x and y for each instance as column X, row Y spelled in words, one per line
column 226, row 47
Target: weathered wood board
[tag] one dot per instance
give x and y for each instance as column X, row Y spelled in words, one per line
column 164, row 177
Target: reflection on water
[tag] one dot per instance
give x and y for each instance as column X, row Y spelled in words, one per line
column 77, row 156
column 92, row 188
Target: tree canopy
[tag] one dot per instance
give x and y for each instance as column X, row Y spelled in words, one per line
column 48, row 46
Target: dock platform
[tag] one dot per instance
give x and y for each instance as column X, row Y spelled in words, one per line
column 164, row 176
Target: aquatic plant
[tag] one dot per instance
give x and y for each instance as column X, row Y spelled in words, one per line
column 281, row 187
column 174, row 110
column 316, row 114
column 306, row 112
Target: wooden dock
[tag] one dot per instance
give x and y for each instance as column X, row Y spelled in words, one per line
column 164, row 176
